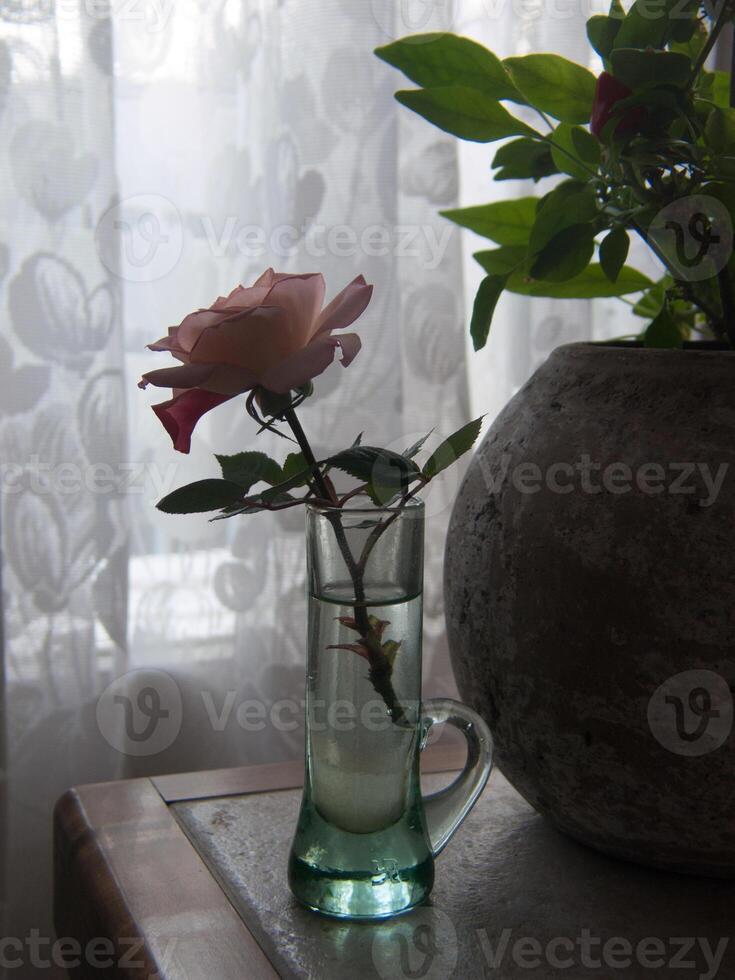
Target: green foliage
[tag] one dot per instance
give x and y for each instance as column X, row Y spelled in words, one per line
column 502, row 261
column 524, row 158
column 464, row 112
column 247, row 469
column 663, row 331
column 554, row 85
column 486, row 300
column 435, row 60
column 416, row 447
column 590, row 284
column 640, row 69
column 386, row 473
column 655, row 128
column 613, row 252
column 720, row 130
column 505, row 222
column 572, row 202
column 650, row 303
column 451, row 449
column 565, row 255
column 204, row 495
column 601, row 33
column 575, row 151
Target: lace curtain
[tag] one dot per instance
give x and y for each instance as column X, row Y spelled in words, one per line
column 154, row 155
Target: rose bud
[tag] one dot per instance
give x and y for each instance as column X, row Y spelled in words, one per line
column 608, row 93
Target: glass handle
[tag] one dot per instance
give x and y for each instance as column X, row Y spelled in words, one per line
column 446, row 809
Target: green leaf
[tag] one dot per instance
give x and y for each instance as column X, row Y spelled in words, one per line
column 204, row 495
column 276, row 494
column 613, row 252
column 554, row 85
column 451, row 449
column 644, row 26
column 721, row 88
column 565, row 255
column 684, row 21
column 591, row 283
column 293, row 465
column 570, row 203
column 575, row 151
column 483, row 309
column 720, row 130
column 432, row 60
column 652, row 301
column 416, row 447
column 502, row 261
column 524, row 159
column 370, row 464
column 504, row 222
column 693, row 45
column 247, row 469
column 464, row 112
column 637, row 69
column 663, row 331
column 601, row 32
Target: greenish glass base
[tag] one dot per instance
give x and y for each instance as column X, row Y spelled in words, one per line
column 360, row 876
column 351, row 895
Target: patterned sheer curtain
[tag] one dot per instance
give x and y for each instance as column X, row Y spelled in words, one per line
column 153, row 155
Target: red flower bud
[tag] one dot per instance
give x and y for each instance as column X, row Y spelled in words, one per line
column 608, row 92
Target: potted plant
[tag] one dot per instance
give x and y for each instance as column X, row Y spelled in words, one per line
column 589, row 567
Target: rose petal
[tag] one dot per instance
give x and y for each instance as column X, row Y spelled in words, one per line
column 223, row 379
column 242, row 297
column 254, row 340
column 301, row 367
column 346, row 306
column 169, row 343
column 181, row 414
column 187, row 376
column 301, row 297
column 265, row 278
column 190, row 329
column 350, row 344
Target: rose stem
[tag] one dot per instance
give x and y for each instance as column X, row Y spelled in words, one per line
column 380, row 668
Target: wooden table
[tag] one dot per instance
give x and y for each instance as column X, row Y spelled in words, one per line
column 183, row 878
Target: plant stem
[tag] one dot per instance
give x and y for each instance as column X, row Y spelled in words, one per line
column 728, row 307
column 380, row 667
column 561, row 149
column 722, row 18
column 717, row 323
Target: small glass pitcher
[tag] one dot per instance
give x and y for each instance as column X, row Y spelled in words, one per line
column 366, row 839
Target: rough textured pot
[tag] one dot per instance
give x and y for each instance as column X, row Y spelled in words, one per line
column 591, row 617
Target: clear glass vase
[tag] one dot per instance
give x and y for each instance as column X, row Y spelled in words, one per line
column 366, row 839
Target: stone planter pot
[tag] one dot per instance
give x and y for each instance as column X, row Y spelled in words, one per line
column 590, row 597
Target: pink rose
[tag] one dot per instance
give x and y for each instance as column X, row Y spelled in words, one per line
column 274, row 335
